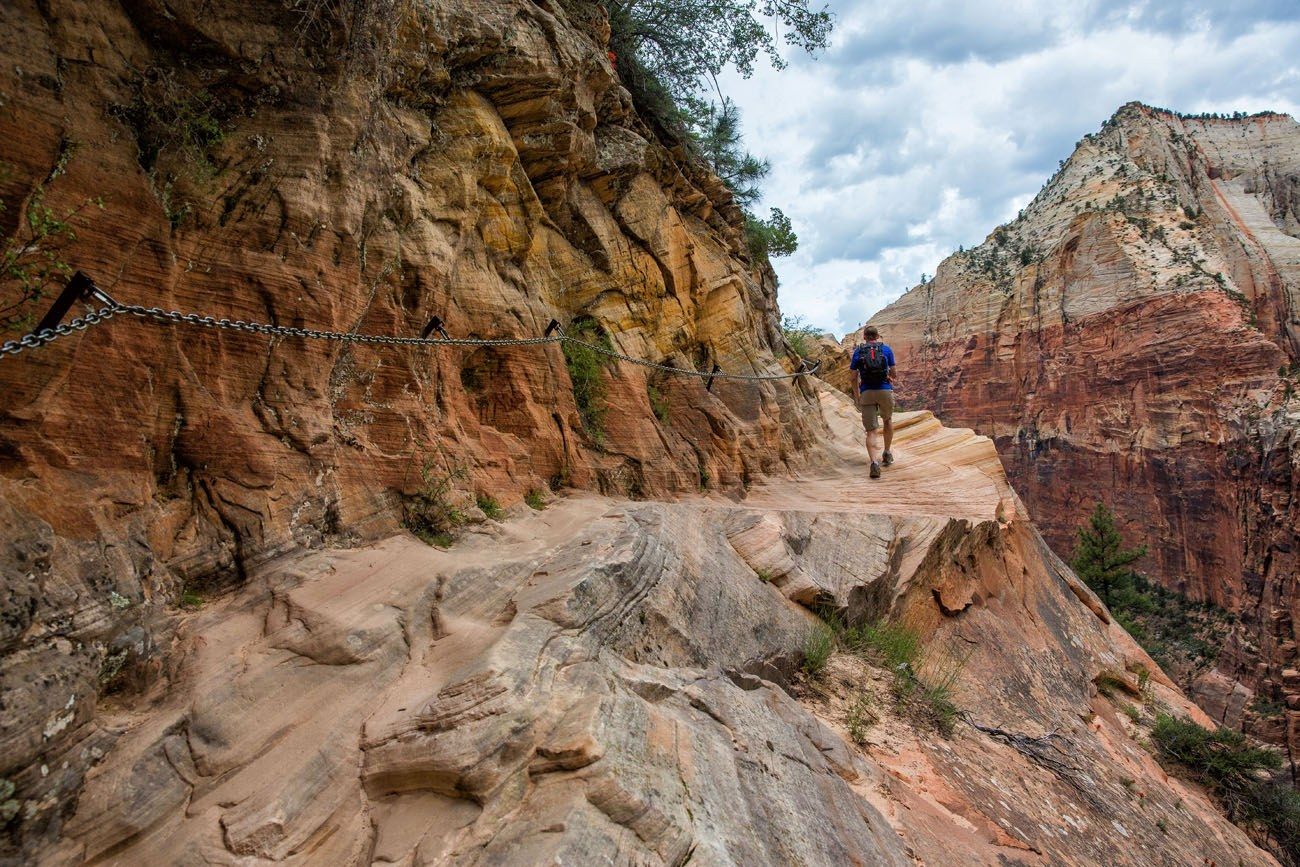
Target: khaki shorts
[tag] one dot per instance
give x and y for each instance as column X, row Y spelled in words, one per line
column 872, row 401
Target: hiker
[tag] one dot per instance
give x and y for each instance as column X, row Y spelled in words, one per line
column 874, row 362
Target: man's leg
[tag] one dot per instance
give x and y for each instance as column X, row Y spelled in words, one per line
column 870, row 413
column 869, row 410
column 887, row 417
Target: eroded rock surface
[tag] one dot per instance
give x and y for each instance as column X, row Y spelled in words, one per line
column 1133, row 337
column 267, row 161
column 604, row 681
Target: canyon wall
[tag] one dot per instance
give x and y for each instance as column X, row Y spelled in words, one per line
column 617, row 682
column 361, row 168
column 1132, row 338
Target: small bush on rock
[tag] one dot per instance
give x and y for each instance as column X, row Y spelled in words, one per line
column 489, row 506
column 587, row 373
column 429, row 513
column 1239, row 775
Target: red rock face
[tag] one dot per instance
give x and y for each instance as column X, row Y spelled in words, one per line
column 1130, row 339
column 478, row 162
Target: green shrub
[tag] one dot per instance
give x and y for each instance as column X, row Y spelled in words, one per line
column 489, row 506
column 658, row 403
column 33, row 259
column 1183, row 636
column 1238, row 774
column 1274, row 808
column 1267, row 708
column 535, row 500
column 859, row 718
column 429, row 513
column 818, row 645
column 799, row 334
column 166, row 114
column 1109, row 683
column 1223, row 757
column 770, row 238
column 587, row 373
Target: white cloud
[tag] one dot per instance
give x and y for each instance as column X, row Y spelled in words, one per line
column 928, row 123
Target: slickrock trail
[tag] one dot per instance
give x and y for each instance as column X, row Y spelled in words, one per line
column 947, row 472
column 615, row 682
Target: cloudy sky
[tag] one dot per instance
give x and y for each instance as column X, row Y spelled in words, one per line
column 929, row 122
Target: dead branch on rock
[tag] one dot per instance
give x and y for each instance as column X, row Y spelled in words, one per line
column 1045, row 750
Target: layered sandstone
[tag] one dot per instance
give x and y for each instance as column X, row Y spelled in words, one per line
column 354, row 167
column 608, row 680
column 1132, row 337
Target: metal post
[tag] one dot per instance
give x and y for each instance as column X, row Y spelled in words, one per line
column 79, row 288
column 712, row 373
column 555, row 324
column 435, row 324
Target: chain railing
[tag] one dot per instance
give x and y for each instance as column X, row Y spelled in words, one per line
column 82, row 288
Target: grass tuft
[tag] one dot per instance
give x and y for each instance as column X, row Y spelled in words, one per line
column 818, row 645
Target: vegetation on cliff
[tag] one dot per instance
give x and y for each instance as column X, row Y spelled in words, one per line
column 1181, row 635
column 1238, row 773
column 33, row 259
column 669, row 55
column 799, row 334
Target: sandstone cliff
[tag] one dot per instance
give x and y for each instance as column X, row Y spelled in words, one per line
column 352, row 167
column 1132, row 337
column 603, row 681
column 219, row 647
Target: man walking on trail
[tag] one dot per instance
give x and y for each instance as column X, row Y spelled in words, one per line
column 874, row 362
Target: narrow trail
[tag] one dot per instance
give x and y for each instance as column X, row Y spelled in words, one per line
column 938, row 471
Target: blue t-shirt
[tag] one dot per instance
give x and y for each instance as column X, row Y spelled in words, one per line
column 856, row 364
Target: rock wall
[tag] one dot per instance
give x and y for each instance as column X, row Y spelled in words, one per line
column 1132, row 337
column 358, row 167
column 616, row 681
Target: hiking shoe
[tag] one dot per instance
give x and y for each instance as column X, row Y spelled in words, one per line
column 875, row 470
column 887, row 459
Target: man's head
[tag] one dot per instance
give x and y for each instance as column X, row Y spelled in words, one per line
column 871, row 333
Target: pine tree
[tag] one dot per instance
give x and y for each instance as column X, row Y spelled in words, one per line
column 1100, row 558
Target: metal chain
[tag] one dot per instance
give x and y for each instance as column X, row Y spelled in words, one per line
column 685, row 371
column 32, row 341
column 161, row 315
